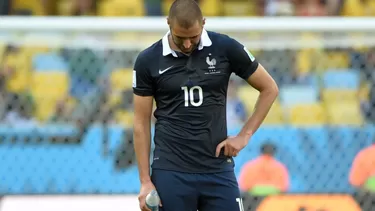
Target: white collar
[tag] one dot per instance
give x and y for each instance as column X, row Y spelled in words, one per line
column 205, row 42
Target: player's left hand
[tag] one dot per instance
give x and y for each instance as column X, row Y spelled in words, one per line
column 232, row 146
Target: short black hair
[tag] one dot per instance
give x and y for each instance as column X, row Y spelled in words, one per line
column 185, row 12
column 268, row 148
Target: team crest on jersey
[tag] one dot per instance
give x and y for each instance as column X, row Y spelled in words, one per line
column 211, row 65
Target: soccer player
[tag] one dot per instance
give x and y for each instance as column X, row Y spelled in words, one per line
column 187, row 73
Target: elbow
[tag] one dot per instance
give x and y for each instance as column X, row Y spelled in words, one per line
column 275, row 90
column 272, row 90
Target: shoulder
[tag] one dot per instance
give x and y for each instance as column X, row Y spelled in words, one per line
column 151, row 51
column 143, row 59
column 364, row 154
column 220, row 39
column 252, row 163
column 226, row 43
column 279, row 164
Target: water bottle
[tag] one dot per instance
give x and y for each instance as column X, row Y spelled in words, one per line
column 153, row 201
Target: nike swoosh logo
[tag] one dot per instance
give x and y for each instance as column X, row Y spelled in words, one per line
column 165, row 70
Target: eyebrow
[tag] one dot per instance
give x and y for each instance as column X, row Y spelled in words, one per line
column 186, row 37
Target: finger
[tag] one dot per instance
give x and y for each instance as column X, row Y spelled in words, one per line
column 231, row 152
column 145, row 208
column 143, row 205
column 219, row 147
column 227, row 150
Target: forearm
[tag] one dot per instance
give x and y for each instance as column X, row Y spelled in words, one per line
column 142, row 145
column 261, row 109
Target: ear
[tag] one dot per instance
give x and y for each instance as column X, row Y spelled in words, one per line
column 168, row 21
column 203, row 21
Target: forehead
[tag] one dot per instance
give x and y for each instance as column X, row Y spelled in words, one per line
column 194, row 30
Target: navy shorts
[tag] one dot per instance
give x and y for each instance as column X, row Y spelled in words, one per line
column 191, row 192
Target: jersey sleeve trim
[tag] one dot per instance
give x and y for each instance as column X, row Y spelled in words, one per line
column 142, row 78
column 142, row 93
column 250, row 70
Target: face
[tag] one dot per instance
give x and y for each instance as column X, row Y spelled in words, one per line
column 186, row 39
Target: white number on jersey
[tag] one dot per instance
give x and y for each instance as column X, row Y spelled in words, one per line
column 189, row 96
column 240, row 204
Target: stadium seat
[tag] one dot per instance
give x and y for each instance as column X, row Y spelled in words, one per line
column 121, row 8
column 64, row 7
column 363, row 92
column 339, row 95
column 371, row 7
column 303, row 60
column 124, row 118
column 236, row 8
column 47, row 88
column 115, row 98
column 335, row 79
column 49, row 61
column 292, row 95
column 307, row 115
column 275, row 115
column 121, row 79
column 50, row 83
column 132, row 7
column 334, row 59
column 106, row 9
column 306, row 57
column 249, row 96
column 342, row 114
column 34, row 6
column 211, row 7
column 353, row 8
column 20, row 64
column 166, row 4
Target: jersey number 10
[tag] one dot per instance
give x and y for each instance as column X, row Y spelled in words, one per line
column 189, row 96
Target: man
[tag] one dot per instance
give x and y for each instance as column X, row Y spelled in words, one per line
column 362, row 177
column 264, row 175
column 187, row 73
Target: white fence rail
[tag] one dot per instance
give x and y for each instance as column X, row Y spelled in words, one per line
column 150, row 24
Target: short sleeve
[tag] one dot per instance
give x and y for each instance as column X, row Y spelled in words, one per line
column 242, row 62
column 142, row 80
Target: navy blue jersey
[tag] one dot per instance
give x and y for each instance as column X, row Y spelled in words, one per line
column 190, row 94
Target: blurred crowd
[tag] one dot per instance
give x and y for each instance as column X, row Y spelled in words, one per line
column 209, row 7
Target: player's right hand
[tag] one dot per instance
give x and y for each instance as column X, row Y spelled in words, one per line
column 146, row 188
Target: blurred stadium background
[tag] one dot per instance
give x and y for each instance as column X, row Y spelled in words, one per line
column 66, row 98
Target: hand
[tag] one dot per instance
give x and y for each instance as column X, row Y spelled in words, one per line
column 232, row 146
column 146, row 188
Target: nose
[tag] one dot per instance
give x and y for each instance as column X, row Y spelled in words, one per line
column 187, row 43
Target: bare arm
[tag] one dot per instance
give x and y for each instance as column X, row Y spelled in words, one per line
column 268, row 89
column 142, row 135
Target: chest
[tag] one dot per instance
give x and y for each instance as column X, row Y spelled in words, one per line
column 207, row 70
